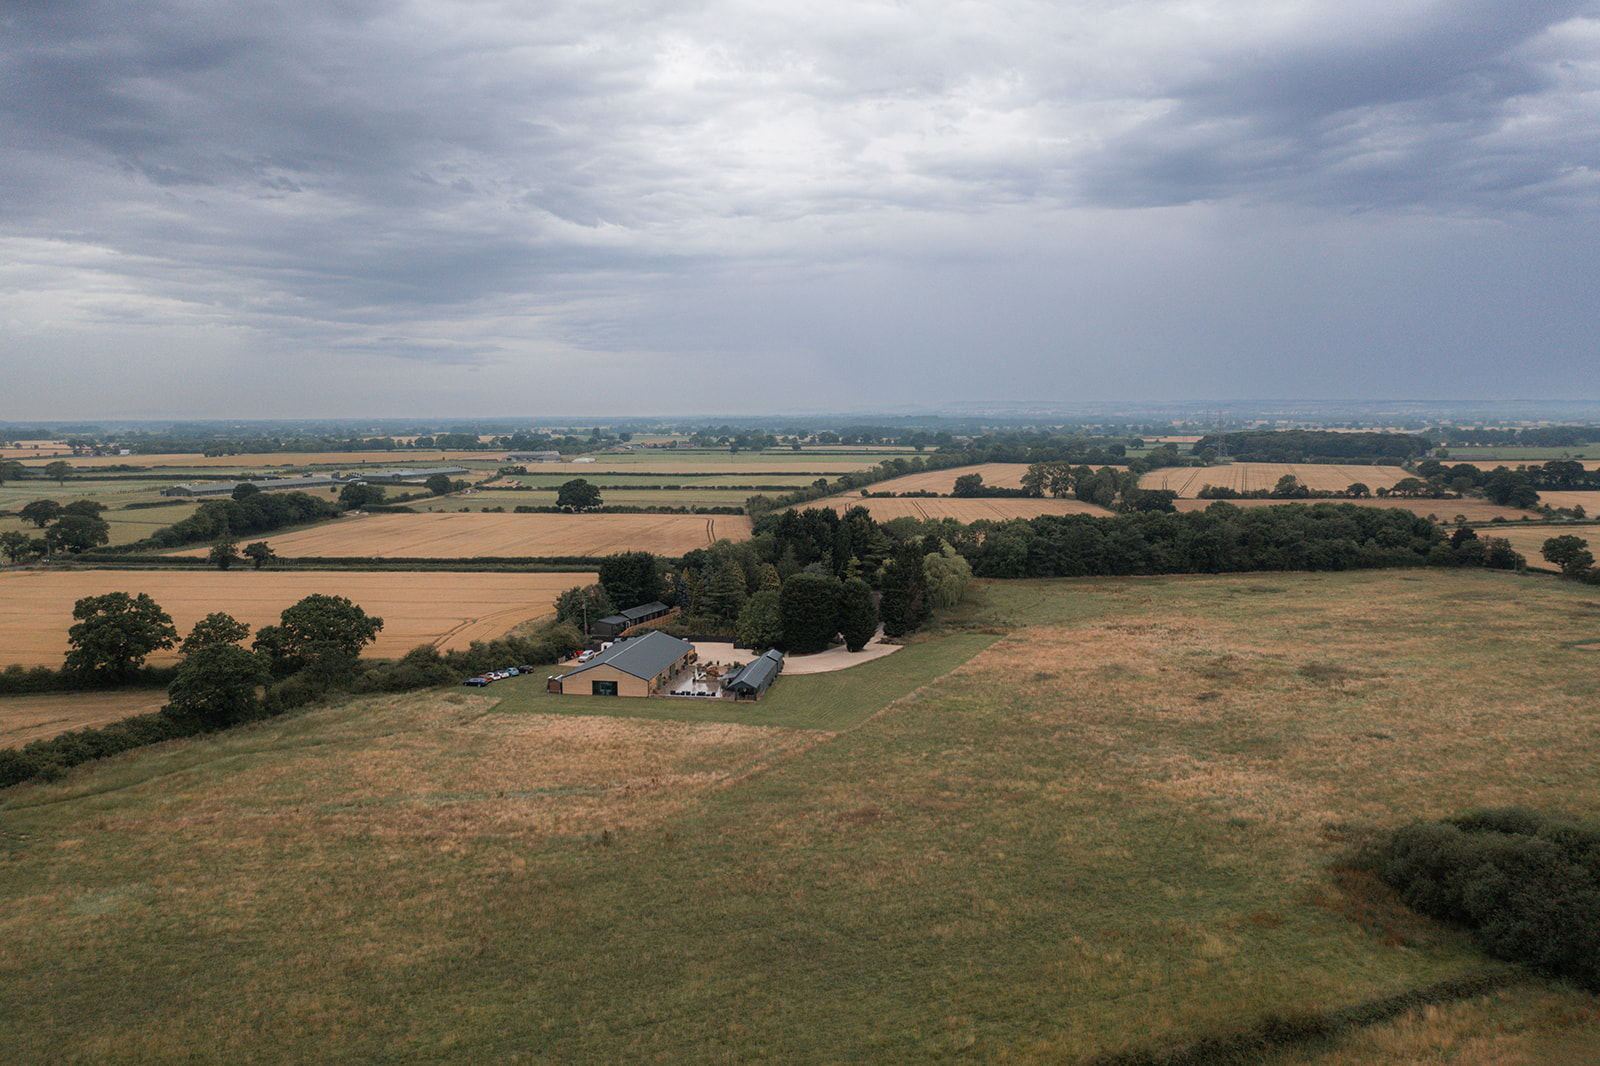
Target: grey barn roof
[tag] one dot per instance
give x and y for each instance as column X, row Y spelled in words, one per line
column 647, row 610
column 225, row 488
column 758, row 673
column 643, row 657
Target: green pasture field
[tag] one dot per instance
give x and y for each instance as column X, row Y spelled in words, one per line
column 126, row 525
column 1107, row 825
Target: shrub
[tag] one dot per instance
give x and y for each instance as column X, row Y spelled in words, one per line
column 1528, row 884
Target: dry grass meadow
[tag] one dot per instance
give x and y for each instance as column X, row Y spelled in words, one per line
column 1110, row 829
column 458, row 535
column 448, row 610
column 1187, row 481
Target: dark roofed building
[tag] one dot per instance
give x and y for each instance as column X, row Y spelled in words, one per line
column 637, row 667
column 614, row 624
column 754, row 677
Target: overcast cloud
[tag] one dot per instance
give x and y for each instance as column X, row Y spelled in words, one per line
column 284, row 209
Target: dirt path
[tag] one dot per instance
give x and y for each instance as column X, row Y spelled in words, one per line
column 823, row 662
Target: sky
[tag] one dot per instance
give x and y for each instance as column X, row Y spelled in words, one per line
column 284, row 209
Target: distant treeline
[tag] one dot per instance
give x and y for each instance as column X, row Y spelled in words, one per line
column 1308, row 446
column 1221, row 539
column 1531, row 437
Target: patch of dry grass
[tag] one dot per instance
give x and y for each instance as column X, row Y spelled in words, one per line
column 1112, row 828
column 1531, row 1025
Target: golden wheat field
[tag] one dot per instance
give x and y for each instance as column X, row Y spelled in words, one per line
column 963, row 510
column 1589, row 501
column 1187, row 481
column 465, row 535
column 24, row 719
column 1005, row 475
column 443, row 609
column 1442, row 510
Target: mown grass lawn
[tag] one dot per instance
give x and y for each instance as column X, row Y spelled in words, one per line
column 1106, row 828
column 832, row 702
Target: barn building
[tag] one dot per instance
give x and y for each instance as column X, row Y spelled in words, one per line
column 614, row 624
column 754, row 677
column 395, row 477
column 309, row 483
column 638, row 667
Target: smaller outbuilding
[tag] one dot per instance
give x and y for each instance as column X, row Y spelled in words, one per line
column 613, row 625
column 641, row 666
column 754, row 677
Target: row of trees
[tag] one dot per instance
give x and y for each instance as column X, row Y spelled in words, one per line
column 113, row 634
column 72, row 528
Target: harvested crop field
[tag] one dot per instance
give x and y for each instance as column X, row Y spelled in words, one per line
column 1529, row 540
column 1187, row 481
column 1005, row 475
column 447, row 610
column 962, row 510
column 1443, row 510
column 468, row 535
column 1589, row 501
column 24, row 719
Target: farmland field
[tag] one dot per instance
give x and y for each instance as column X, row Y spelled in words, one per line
column 1529, row 540
column 1107, row 829
column 267, row 460
column 1444, row 510
column 962, row 510
column 28, row 718
column 817, row 464
column 1003, row 475
column 1187, row 481
column 460, row 536
column 444, row 609
column 126, row 525
column 1589, row 501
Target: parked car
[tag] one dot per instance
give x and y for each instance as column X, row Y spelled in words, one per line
column 526, row 669
column 476, row 682
column 586, row 656
column 511, row 671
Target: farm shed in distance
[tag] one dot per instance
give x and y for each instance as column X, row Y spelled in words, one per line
column 612, row 625
column 754, row 677
column 532, row 457
column 394, row 477
column 275, row 484
column 637, row 667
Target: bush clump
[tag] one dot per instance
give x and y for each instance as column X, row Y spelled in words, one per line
column 1527, row 883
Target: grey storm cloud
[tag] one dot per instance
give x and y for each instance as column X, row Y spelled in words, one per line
column 336, row 192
